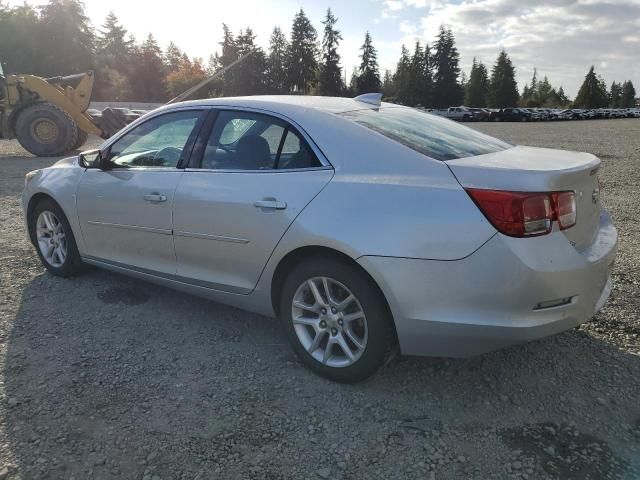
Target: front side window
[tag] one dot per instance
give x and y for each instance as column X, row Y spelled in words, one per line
column 431, row 135
column 158, row 142
column 253, row 141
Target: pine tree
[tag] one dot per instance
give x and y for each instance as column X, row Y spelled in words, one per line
column 592, row 93
column 302, row 63
column 503, row 86
column 149, row 79
column 248, row 75
column 388, row 85
column 477, row 89
column 19, row 42
column 446, row 89
column 401, row 78
column 368, row 73
column 628, row 95
column 66, row 38
column 330, row 72
column 544, row 93
column 113, row 49
column 173, row 58
column 562, row 97
column 277, row 62
column 416, row 75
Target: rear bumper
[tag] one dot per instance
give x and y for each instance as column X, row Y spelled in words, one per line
column 509, row 291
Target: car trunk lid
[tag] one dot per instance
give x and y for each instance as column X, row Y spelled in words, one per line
column 530, row 169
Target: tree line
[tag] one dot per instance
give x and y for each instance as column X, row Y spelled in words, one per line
column 58, row 39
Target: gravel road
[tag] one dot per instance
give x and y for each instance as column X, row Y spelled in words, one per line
column 104, row 377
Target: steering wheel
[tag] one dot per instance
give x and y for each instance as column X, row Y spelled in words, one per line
column 167, row 156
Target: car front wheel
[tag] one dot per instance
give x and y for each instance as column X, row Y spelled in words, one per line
column 336, row 320
column 53, row 239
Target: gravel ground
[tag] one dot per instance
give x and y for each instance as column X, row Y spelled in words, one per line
column 107, row 377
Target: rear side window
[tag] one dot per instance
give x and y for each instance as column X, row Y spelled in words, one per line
column 428, row 134
column 253, row 141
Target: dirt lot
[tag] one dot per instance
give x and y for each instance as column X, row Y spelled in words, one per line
column 107, row 377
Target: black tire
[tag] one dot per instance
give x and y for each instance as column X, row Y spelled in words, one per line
column 72, row 264
column 82, row 139
column 381, row 332
column 46, row 130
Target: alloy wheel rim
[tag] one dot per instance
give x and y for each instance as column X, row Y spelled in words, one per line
column 329, row 322
column 51, row 237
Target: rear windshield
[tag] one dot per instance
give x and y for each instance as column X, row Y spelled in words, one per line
column 429, row 134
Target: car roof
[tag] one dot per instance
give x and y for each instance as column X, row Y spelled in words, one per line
column 284, row 104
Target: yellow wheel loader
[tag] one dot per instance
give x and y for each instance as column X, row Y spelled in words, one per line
column 48, row 115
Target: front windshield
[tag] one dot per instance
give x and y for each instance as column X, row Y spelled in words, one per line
column 431, row 135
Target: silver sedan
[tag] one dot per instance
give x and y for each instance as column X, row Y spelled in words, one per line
column 363, row 226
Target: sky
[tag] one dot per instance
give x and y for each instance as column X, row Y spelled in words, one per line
column 560, row 38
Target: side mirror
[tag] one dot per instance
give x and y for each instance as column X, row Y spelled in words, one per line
column 90, row 159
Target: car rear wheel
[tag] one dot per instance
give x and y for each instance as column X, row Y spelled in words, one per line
column 54, row 240
column 336, row 320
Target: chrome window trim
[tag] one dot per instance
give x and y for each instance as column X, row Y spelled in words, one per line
column 237, row 170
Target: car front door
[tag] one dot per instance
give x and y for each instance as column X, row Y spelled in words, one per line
column 254, row 174
column 125, row 208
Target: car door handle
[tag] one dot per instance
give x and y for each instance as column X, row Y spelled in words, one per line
column 273, row 204
column 155, row 197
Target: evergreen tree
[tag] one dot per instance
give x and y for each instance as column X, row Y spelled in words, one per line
column 402, row 78
column 277, row 62
column 248, row 75
column 368, row 74
column 563, row 100
column 388, row 85
column 149, row 80
column 302, row 63
column 545, row 93
column 19, row 45
column 503, row 90
column 229, row 54
column 615, row 95
column 628, row 95
column 66, row 38
column 446, row 89
column 173, row 58
column 353, row 83
column 477, row 88
column 529, row 96
column 113, row 49
column 330, row 71
column 592, row 93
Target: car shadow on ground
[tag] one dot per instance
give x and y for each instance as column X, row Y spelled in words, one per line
column 108, row 376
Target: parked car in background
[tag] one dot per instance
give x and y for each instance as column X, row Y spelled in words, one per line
column 311, row 209
column 125, row 114
column 511, row 115
column 461, row 114
column 480, row 114
column 536, row 114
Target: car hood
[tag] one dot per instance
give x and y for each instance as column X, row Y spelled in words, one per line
column 66, row 162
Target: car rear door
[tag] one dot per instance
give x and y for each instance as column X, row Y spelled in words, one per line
column 251, row 175
column 125, row 209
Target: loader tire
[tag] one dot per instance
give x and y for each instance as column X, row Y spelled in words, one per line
column 82, row 139
column 46, row 130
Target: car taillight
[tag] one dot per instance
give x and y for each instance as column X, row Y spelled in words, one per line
column 522, row 214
